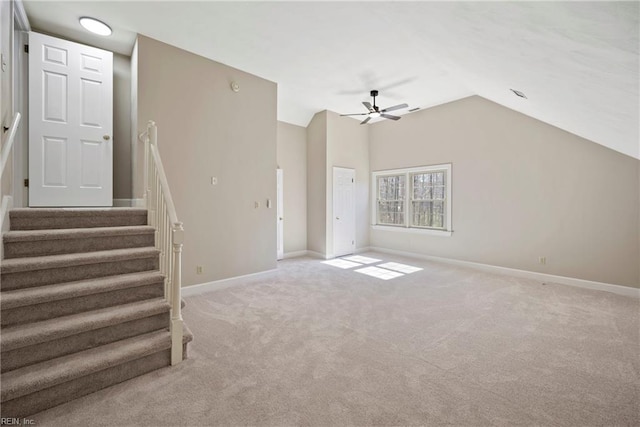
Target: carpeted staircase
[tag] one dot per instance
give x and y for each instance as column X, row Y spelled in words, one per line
column 82, row 305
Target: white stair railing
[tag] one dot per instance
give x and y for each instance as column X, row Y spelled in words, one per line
column 169, row 233
column 7, row 199
column 8, row 146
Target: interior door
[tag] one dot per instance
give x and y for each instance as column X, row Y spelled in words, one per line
column 280, row 213
column 70, row 123
column 344, row 211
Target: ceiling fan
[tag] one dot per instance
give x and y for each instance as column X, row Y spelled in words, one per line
column 375, row 111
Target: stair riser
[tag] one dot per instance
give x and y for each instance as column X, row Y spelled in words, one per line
column 50, row 310
column 62, row 393
column 26, row 279
column 88, row 221
column 69, row 246
column 29, row 355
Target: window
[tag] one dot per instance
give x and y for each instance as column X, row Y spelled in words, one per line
column 413, row 199
column 391, row 195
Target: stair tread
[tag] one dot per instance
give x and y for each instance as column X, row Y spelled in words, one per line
column 60, row 291
column 14, row 265
column 23, row 335
column 33, row 378
column 74, row 233
column 74, row 212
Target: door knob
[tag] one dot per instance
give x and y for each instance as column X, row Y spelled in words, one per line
column 337, row 217
column 280, row 218
column 106, row 137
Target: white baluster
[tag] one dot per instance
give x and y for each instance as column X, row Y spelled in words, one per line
column 176, row 310
column 169, row 235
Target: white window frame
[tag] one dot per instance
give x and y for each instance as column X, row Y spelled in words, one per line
column 408, row 172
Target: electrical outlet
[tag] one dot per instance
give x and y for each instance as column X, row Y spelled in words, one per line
column 214, row 180
column 256, row 205
column 198, row 269
column 542, row 260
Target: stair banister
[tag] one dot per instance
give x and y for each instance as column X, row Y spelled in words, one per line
column 169, row 233
column 8, row 146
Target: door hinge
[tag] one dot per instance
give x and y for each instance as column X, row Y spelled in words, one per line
column 26, row 182
column 26, row 48
column 351, row 179
column 353, row 242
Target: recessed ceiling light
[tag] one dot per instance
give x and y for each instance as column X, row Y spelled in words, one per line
column 95, row 26
column 518, row 93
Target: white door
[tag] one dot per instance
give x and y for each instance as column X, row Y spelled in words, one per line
column 344, row 211
column 280, row 213
column 70, row 123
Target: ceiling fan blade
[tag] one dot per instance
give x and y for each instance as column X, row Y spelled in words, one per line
column 368, row 105
column 389, row 116
column 394, row 108
column 355, row 114
column 366, row 120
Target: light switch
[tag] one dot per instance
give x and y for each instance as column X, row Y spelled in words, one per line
column 214, row 180
column 257, row 205
column 269, row 203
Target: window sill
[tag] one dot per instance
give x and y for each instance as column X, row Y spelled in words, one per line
column 426, row 231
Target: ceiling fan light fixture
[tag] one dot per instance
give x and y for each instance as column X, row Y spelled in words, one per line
column 373, row 111
column 95, row 26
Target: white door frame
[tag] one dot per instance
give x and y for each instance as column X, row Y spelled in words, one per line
column 21, row 105
column 280, row 213
column 71, row 126
column 339, row 218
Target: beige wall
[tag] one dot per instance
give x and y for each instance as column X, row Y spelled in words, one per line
column 205, row 129
column 6, row 87
column 292, row 159
column 121, row 127
column 317, row 183
column 348, row 147
column 521, row 189
column 335, row 141
column 136, row 161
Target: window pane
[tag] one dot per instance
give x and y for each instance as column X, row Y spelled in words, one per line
column 438, row 178
column 438, row 192
column 421, row 186
column 428, row 214
column 391, row 187
column 437, row 217
column 421, row 215
column 391, row 212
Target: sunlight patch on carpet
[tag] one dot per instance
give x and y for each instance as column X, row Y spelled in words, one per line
column 379, row 273
column 340, row 263
column 362, row 259
column 402, row 268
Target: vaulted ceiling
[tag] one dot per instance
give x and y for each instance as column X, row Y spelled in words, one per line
column 577, row 62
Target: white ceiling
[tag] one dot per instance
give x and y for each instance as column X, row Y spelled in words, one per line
column 577, row 62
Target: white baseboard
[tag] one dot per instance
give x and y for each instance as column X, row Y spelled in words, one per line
column 543, row 277
column 362, row 249
column 7, row 204
column 122, row 203
column 215, row 285
column 294, row 254
column 314, row 254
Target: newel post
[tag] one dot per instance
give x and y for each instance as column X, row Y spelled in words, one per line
column 152, row 138
column 177, row 238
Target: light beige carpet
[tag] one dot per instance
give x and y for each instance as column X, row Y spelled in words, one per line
column 317, row 345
